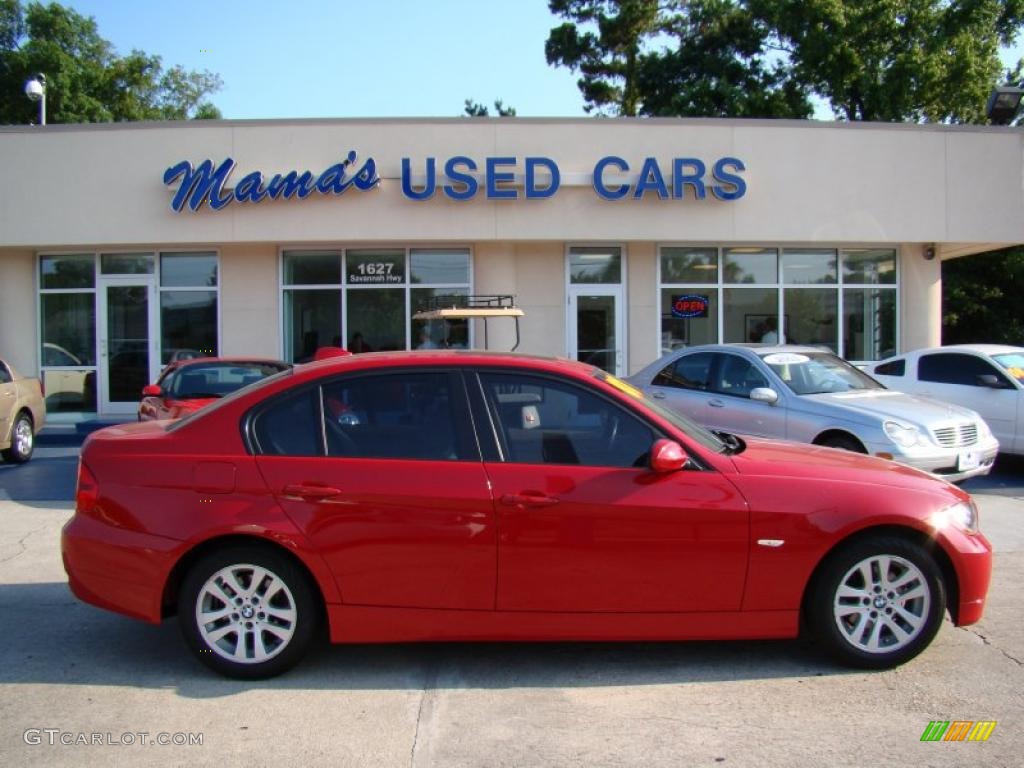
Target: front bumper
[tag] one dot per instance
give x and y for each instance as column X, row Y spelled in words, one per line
column 971, row 555
column 947, row 463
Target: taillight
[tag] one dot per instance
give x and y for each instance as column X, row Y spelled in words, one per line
column 88, row 491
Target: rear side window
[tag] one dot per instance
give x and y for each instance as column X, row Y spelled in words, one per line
column 290, row 426
column 5, row 375
column 892, row 368
column 544, row 421
column 688, row 372
column 954, row 368
column 409, row 415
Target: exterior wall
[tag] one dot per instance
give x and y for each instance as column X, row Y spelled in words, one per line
column 250, row 301
column 19, row 340
column 807, row 182
column 641, row 307
column 920, row 299
column 540, row 292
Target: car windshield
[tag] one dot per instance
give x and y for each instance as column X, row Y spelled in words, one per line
column 216, row 379
column 691, row 428
column 815, row 373
column 1013, row 363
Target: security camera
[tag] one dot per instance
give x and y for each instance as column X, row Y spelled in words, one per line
column 34, row 89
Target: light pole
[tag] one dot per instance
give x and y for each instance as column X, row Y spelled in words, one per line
column 35, row 89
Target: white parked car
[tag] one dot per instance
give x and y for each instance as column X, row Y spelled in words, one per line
column 987, row 378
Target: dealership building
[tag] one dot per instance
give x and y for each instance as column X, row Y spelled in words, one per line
column 125, row 246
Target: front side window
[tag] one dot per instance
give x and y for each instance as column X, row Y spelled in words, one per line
column 394, row 416
column 736, row 376
column 544, row 421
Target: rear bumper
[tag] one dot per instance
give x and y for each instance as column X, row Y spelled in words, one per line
column 117, row 569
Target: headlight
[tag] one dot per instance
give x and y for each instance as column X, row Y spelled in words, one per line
column 963, row 515
column 904, row 435
column 984, row 433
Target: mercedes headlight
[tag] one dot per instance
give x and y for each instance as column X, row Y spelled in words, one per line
column 904, row 435
column 963, row 515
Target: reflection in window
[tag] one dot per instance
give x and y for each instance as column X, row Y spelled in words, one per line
column 194, row 270
column 188, row 324
column 870, row 265
column 595, row 265
column 312, row 267
column 750, row 265
column 126, row 263
column 71, row 271
column 811, row 317
column 375, row 319
column 70, row 390
column 808, row 266
column 689, row 265
column 869, row 323
column 68, row 328
column 751, row 315
column 439, row 267
column 312, row 319
column 437, row 334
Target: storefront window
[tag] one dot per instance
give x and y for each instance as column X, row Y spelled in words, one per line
column 751, row 315
column 688, row 317
column 312, row 319
column 595, row 265
column 806, row 266
column 312, row 267
column 810, row 316
column 438, row 267
column 375, row 319
column 188, row 317
column 873, row 266
column 375, row 267
column 437, row 334
column 750, row 265
column 126, row 263
column 71, row 271
column 869, row 323
column 689, row 265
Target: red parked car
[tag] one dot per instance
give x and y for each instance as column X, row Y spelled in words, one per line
column 471, row 496
column 187, row 385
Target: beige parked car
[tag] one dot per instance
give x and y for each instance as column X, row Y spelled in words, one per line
column 22, row 414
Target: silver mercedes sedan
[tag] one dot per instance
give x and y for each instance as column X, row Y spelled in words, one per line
column 812, row 396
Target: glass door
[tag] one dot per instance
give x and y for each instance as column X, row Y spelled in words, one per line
column 595, row 327
column 127, row 336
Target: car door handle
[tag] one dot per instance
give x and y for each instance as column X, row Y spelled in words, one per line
column 658, row 395
column 716, row 403
column 528, row 499
column 303, row 491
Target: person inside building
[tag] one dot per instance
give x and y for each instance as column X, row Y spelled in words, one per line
column 771, row 334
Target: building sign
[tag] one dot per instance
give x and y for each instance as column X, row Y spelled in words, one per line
column 690, row 305
column 461, row 178
column 376, row 269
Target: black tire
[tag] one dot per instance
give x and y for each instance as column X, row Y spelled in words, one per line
column 843, row 442
column 23, row 441
column 276, row 620
column 898, row 622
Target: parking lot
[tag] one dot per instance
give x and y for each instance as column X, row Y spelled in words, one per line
column 73, row 673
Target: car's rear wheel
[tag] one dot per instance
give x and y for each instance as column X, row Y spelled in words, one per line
column 247, row 612
column 877, row 603
column 23, row 440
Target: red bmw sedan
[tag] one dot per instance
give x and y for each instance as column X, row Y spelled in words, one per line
column 441, row 495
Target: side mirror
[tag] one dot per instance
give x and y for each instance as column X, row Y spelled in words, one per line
column 668, row 456
column 152, row 390
column 764, row 395
column 991, row 380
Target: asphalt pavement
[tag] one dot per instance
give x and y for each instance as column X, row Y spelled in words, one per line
column 81, row 686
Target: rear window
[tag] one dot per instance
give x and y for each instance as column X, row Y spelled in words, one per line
column 892, row 368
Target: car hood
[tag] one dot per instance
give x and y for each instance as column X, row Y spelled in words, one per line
column 876, row 404
column 782, row 458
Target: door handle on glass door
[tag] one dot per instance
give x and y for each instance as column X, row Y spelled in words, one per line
column 528, row 499
column 303, row 491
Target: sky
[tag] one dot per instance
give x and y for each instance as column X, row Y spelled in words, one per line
column 357, row 58
column 351, row 58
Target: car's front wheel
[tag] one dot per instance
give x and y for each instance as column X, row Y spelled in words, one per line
column 247, row 612
column 23, row 440
column 878, row 602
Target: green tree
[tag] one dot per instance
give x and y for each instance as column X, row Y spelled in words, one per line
column 981, row 298
column 673, row 58
column 476, row 109
column 87, row 81
column 895, row 60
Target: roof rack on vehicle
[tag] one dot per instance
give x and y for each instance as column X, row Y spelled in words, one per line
column 467, row 307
